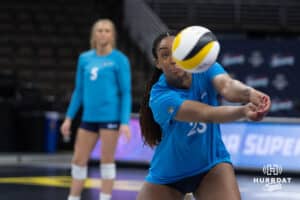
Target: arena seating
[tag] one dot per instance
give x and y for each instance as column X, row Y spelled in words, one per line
column 39, row 44
column 41, row 41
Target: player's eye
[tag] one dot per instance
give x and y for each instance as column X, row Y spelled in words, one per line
column 165, row 54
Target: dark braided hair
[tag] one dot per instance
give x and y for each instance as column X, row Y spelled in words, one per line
column 151, row 131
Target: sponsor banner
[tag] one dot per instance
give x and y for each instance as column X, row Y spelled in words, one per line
column 271, row 66
column 251, row 145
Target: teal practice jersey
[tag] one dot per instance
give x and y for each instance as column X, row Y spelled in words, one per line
column 102, row 87
column 186, row 148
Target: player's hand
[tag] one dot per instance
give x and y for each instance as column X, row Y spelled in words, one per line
column 265, row 106
column 251, row 112
column 258, row 98
column 65, row 129
column 257, row 113
column 124, row 129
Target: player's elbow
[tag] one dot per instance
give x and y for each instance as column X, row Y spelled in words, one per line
column 227, row 86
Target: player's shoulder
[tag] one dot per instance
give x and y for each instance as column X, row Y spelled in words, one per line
column 213, row 70
column 217, row 64
column 161, row 82
column 213, row 67
column 160, row 87
column 119, row 54
column 87, row 54
column 120, row 58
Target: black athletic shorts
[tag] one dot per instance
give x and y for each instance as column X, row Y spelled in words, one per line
column 188, row 184
column 95, row 126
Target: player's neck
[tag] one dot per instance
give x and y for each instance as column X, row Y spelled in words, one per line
column 104, row 50
column 186, row 81
column 182, row 82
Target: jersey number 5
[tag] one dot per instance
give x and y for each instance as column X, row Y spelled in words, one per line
column 94, row 73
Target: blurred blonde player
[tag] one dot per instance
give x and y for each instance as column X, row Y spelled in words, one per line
column 103, row 88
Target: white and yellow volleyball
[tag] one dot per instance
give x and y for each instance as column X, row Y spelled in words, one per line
column 195, row 49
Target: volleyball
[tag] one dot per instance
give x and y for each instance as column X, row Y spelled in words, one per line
column 195, row 49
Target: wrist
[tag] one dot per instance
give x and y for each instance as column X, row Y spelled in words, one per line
column 244, row 111
column 248, row 92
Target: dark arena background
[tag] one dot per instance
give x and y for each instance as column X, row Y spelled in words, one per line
column 39, row 45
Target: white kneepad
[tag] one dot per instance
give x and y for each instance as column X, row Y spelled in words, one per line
column 108, row 171
column 79, row 172
column 74, row 198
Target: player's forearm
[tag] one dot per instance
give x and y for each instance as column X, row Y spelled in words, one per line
column 125, row 109
column 222, row 114
column 192, row 111
column 235, row 91
column 75, row 103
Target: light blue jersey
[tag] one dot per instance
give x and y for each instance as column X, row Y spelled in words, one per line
column 103, row 88
column 186, row 149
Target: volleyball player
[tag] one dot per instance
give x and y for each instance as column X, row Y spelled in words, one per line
column 180, row 117
column 103, row 88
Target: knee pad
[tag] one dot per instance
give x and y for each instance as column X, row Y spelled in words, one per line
column 108, row 171
column 79, row 172
column 73, row 197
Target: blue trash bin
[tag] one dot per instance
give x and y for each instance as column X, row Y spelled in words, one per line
column 51, row 131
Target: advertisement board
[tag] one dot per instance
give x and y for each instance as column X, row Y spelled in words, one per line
column 251, row 145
